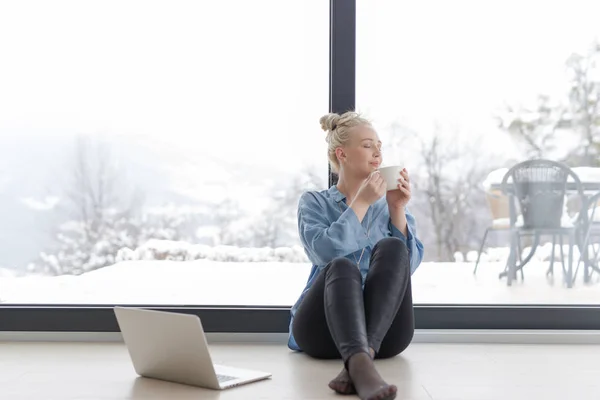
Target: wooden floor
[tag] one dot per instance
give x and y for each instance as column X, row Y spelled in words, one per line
column 85, row 371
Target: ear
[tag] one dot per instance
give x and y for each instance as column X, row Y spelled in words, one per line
column 339, row 153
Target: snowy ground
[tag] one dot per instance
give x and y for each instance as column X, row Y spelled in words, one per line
column 205, row 282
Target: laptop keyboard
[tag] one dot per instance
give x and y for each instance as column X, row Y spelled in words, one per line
column 225, row 378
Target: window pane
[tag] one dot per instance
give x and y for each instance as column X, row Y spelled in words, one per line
column 462, row 91
column 154, row 152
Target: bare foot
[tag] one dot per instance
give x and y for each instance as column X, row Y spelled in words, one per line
column 367, row 381
column 342, row 383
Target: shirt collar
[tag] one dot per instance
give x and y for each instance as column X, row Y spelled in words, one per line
column 335, row 194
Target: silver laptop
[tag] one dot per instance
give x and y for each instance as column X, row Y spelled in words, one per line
column 172, row 347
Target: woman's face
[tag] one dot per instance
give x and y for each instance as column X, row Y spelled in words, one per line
column 362, row 154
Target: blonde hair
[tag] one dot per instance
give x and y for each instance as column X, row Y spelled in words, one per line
column 338, row 128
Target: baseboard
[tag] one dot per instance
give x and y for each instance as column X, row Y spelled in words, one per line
column 507, row 336
column 421, row 336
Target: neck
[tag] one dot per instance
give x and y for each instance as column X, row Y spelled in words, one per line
column 349, row 186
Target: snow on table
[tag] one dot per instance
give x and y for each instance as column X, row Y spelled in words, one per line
column 585, row 174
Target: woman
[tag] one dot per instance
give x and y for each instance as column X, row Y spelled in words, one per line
column 361, row 240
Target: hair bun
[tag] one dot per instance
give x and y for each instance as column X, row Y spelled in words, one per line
column 329, row 121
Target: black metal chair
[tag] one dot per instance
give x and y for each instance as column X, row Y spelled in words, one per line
column 539, row 187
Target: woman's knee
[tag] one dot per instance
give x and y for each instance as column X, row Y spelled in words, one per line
column 391, row 244
column 391, row 254
column 392, row 248
column 342, row 266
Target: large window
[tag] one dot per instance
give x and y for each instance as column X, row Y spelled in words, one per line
column 461, row 91
column 154, row 152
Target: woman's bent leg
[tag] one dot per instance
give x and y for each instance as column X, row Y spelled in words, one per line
column 330, row 321
column 311, row 329
column 401, row 333
column 388, row 297
column 335, row 300
column 345, row 314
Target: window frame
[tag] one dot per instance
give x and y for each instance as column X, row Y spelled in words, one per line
column 242, row 319
column 250, row 319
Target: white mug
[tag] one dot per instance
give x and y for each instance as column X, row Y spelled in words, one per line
column 391, row 175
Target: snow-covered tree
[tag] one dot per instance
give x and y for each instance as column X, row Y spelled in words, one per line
column 583, row 107
column 225, row 217
column 97, row 222
column 534, row 127
column 446, row 170
column 448, row 191
column 277, row 225
column 542, row 129
column 101, row 217
column 82, row 246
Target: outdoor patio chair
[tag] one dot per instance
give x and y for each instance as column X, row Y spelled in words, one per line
column 538, row 188
column 590, row 246
column 499, row 208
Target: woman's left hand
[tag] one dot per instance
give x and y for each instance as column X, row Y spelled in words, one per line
column 398, row 199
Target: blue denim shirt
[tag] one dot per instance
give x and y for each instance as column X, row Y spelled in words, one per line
column 329, row 228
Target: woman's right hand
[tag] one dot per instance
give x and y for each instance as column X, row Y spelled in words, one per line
column 372, row 189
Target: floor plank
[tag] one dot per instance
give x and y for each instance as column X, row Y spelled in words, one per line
column 102, row 371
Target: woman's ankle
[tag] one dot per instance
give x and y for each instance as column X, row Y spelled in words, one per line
column 372, row 353
column 360, row 359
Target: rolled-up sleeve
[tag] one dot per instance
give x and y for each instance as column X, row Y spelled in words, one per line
column 323, row 240
column 415, row 247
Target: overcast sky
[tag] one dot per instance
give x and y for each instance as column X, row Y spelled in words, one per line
column 459, row 60
column 249, row 79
